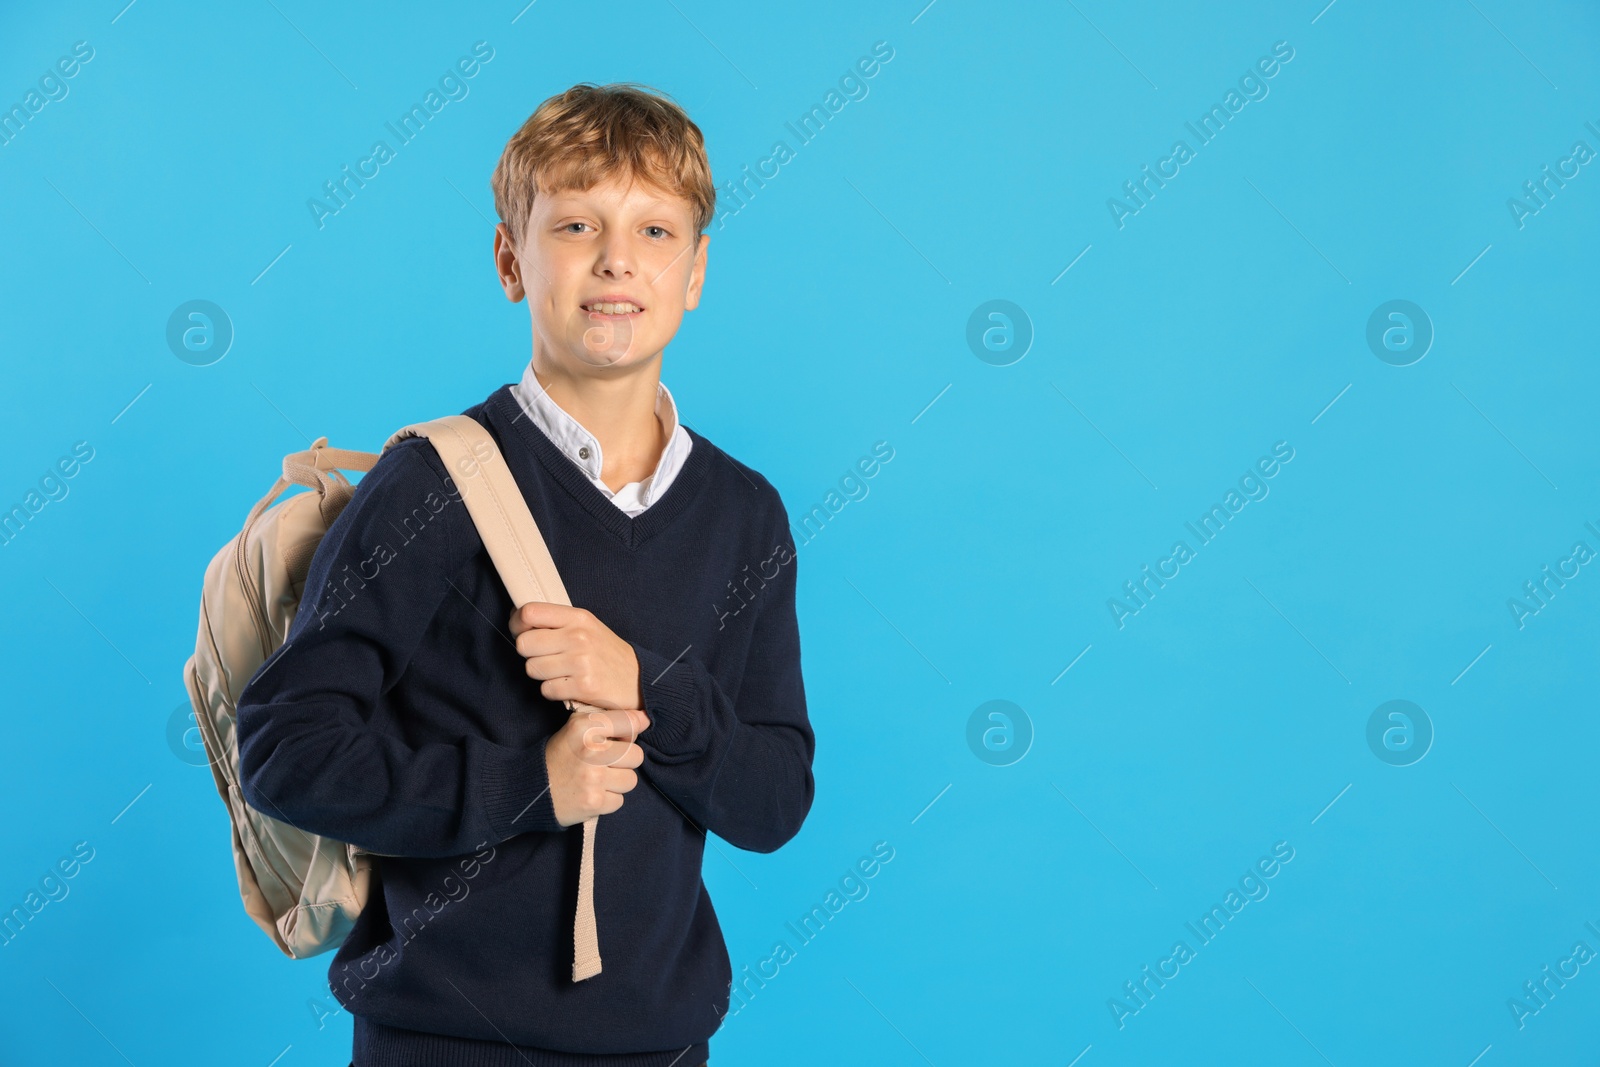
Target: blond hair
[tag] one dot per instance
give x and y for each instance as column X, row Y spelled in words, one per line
column 590, row 133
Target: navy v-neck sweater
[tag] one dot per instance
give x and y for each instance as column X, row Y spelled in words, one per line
column 399, row 716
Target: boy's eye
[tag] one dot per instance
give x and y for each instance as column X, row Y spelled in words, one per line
column 663, row 231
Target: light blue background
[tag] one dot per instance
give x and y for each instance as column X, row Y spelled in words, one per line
column 1229, row 314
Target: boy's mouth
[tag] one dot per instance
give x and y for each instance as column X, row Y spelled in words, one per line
column 613, row 309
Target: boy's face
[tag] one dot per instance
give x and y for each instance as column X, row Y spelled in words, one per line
column 605, row 245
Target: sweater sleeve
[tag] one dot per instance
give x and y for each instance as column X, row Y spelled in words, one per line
column 739, row 765
column 309, row 752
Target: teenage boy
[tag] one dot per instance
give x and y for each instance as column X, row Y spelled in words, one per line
column 415, row 711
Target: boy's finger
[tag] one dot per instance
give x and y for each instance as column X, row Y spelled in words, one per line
column 546, row 669
column 615, row 754
column 604, row 740
column 629, row 723
column 537, row 641
column 623, row 724
column 632, row 760
column 538, row 613
column 528, row 616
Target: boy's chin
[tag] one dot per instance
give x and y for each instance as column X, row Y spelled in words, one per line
column 606, row 358
column 603, row 343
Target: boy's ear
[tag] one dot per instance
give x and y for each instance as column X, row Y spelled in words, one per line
column 507, row 265
column 697, row 275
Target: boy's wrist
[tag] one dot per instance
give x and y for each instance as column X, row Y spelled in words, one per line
column 516, row 793
column 638, row 678
column 669, row 695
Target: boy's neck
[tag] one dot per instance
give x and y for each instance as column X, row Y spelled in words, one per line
column 619, row 411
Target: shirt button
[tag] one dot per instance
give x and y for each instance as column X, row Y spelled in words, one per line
column 583, row 453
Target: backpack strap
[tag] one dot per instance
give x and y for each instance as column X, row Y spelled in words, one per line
column 523, row 561
column 497, row 506
column 318, row 468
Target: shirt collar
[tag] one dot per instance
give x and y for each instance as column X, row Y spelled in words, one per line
column 581, row 446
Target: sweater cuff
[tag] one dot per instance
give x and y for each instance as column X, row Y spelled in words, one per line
column 672, row 700
column 516, row 792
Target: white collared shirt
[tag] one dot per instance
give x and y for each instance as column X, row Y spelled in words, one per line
column 583, row 448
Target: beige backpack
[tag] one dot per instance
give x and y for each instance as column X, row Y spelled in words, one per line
column 305, row 891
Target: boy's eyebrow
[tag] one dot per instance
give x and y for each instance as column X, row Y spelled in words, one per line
column 648, row 205
column 659, row 210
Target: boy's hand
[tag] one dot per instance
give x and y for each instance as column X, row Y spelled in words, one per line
column 576, row 656
column 590, row 761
